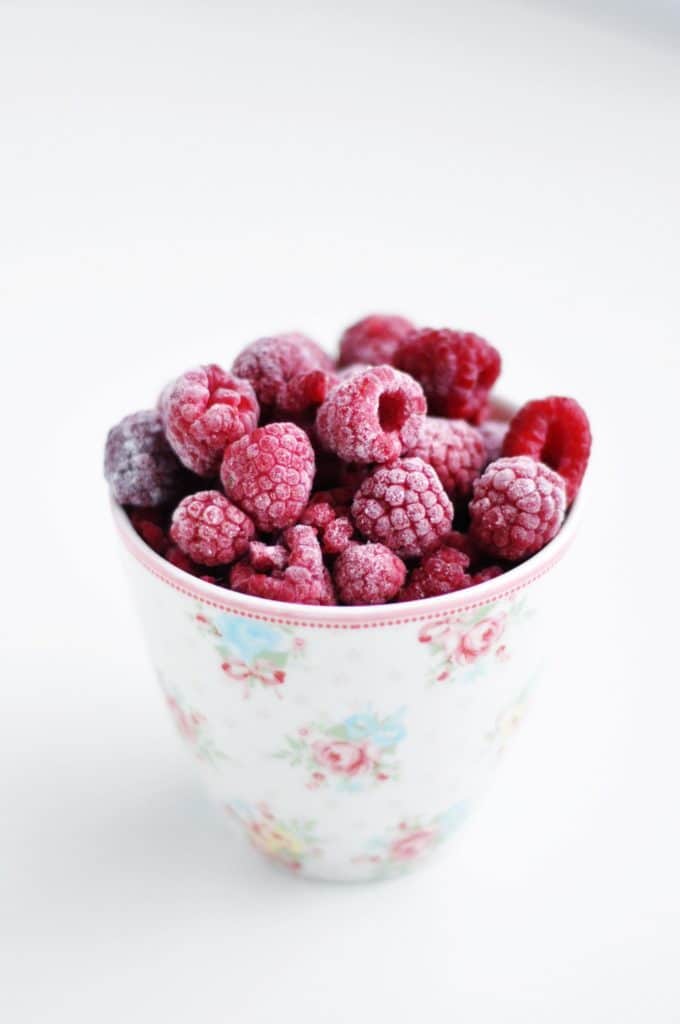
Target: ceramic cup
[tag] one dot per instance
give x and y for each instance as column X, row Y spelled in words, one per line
column 346, row 743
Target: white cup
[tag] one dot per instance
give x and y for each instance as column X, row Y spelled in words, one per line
column 346, row 743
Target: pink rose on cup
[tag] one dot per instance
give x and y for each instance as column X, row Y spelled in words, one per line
column 435, row 633
column 479, row 639
column 412, row 845
column 342, row 757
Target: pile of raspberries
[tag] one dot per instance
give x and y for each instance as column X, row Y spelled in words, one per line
column 380, row 477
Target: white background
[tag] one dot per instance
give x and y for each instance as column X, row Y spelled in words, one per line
column 176, row 180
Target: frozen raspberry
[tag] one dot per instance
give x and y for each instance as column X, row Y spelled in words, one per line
column 517, row 506
column 149, row 523
column 554, row 431
column 404, row 506
column 209, row 529
column 337, row 536
column 484, row 575
column 368, row 574
column 455, row 451
column 345, row 372
column 373, row 416
column 139, row 464
column 176, row 557
column 269, row 474
column 304, row 580
column 456, row 369
column 373, row 340
column 328, row 512
column 203, row 411
column 493, row 432
column 264, row 557
column 290, row 372
column 440, row 572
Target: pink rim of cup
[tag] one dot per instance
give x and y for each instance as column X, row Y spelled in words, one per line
column 364, row 617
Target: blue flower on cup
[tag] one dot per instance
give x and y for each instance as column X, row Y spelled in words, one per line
column 247, row 637
column 386, row 732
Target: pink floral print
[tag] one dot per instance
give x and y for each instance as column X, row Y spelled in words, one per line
column 411, row 840
column 352, row 755
column 475, row 638
column 289, row 843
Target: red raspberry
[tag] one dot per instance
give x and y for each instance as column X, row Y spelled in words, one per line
column 264, row 557
column 493, row 433
column 373, row 340
column 517, row 506
column 139, row 464
column 149, row 524
column 372, row 416
column 210, row 529
column 404, row 506
column 176, row 557
column 483, row 575
column 454, row 449
column 203, row 411
column 328, row 513
column 269, row 474
column 440, row 572
column 304, row 580
column 368, row 574
column 337, row 536
column 554, row 431
column 345, row 372
column 456, row 369
column 289, row 372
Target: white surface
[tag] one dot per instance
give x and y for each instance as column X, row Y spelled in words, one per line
column 176, row 180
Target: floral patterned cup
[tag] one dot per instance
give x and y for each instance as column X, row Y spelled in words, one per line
column 345, row 743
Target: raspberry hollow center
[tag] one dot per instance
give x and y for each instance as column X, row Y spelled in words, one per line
column 392, row 412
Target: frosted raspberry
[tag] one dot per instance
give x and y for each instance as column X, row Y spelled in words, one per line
column 304, row 579
column 269, row 474
column 149, row 523
column 373, row 416
column 176, row 557
column 290, row 372
column 456, row 369
column 203, row 411
column 139, row 464
column 337, row 536
column 373, row 340
column 493, row 433
column 484, row 575
column 328, row 513
column 441, row 572
column 555, row 431
column 518, row 505
column 264, row 557
column 209, row 529
column 345, row 372
column 454, row 449
column 368, row 574
column 404, row 506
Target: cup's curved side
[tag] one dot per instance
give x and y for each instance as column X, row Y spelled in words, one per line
column 346, row 754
